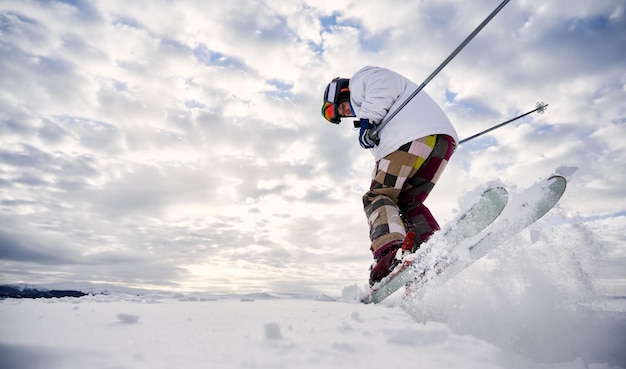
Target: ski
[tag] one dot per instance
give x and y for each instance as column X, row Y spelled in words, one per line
column 425, row 267
column 479, row 216
column 525, row 208
column 524, row 212
column 472, row 222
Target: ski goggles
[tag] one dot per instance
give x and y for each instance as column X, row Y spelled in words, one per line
column 329, row 111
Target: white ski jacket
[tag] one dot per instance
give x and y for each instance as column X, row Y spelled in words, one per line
column 375, row 92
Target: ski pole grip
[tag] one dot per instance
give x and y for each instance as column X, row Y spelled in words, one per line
column 373, row 135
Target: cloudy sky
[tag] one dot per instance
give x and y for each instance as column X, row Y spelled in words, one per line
column 179, row 144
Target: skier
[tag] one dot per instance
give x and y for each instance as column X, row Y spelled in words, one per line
column 410, row 154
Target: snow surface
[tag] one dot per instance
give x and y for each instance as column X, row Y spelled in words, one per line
column 179, row 331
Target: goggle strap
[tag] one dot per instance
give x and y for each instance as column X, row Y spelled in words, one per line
column 332, row 89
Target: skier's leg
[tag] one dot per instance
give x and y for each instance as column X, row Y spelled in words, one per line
column 388, row 180
column 387, row 230
column 418, row 187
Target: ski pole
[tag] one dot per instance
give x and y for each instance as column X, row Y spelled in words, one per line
column 540, row 108
column 373, row 135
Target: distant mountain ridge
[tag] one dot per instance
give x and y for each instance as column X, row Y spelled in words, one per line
column 17, row 292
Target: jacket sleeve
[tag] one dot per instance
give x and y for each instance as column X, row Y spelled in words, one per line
column 374, row 90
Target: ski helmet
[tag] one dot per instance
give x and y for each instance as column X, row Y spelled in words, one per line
column 336, row 93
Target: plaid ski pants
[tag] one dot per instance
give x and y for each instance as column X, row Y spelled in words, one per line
column 401, row 182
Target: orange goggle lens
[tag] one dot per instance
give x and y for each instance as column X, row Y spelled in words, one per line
column 329, row 112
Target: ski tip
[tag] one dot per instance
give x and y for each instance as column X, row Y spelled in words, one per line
column 499, row 192
column 557, row 181
column 557, row 177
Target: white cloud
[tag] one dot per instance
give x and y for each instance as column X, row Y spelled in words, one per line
column 181, row 144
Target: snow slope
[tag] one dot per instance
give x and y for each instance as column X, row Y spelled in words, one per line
column 121, row 331
column 155, row 331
